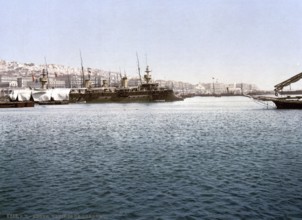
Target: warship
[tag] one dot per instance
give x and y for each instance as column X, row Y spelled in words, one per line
column 147, row 91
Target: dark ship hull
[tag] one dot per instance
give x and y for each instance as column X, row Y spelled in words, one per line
column 287, row 104
column 52, row 102
column 23, row 104
column 99, row 96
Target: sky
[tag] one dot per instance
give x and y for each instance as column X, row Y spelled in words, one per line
column 253, row 41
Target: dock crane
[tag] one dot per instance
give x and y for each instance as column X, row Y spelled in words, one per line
column 280, row 86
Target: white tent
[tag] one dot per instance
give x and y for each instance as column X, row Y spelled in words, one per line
column 24, row 95
column 20, row 95
column 40, row 95
column 13, row 95
column 60, row 94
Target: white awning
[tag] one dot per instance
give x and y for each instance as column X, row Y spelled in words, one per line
column 24, row 95
column 40, row 96
column 60, row 94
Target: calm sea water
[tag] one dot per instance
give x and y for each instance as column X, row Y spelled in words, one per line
column 203, row 158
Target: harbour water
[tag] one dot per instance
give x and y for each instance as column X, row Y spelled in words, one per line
column 203, row 158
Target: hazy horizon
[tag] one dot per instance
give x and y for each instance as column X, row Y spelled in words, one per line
column 255, row 41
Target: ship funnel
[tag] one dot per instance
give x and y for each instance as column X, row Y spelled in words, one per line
column 124, row 82
column 105, row 83
column 87, row 83
column 43, row 80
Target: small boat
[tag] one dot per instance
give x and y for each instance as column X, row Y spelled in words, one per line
column 7, row 102
column 24, row 104
column 288, row 102
column 54, row 102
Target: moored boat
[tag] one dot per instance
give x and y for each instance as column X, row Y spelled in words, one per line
column 288, row 102
column 22, row 104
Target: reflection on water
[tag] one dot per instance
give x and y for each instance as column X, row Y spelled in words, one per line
column 203, row 158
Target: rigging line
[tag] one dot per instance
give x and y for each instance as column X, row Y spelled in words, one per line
column 263, row 103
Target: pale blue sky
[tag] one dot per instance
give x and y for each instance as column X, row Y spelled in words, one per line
column 257, row 41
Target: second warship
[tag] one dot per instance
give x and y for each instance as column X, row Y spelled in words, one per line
column 147, row 91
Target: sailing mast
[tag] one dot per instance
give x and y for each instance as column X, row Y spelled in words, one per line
column 120, row 73
column 109, row 78
column 139, row 69
column 46, row 72
column 83, row 80
column 213, row 86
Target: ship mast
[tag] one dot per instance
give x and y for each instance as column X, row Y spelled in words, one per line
column 109, row 78
column 139, row 69
column 213, row 85
column 120, row 74
column 46, row 72
column 83, row 80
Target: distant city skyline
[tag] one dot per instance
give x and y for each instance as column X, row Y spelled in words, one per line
column 256, row 41
column 28, row 75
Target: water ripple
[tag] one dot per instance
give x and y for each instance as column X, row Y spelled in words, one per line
column 197, row 159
